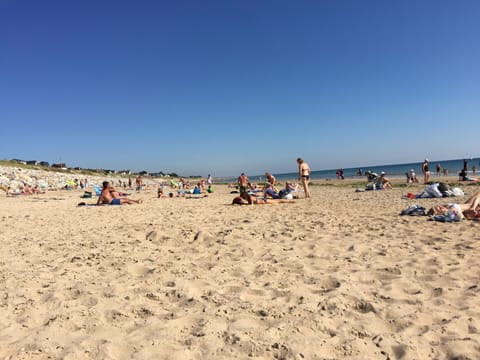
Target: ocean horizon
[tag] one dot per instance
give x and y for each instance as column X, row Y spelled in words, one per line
column 392, row 170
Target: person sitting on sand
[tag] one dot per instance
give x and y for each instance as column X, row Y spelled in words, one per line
column 463, row 176
column 289, row 187
column 411, row 176
column 106, row 197
column 271, row 181
column 197, row 189
column 247, row 199
column 269, row 192
column 383, row 182
column 160, row 193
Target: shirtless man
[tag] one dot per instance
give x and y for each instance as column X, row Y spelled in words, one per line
column 243, row 183
column 271, row 180
column 106, row 197
column 304, row 175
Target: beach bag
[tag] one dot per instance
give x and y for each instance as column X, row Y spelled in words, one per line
column 282, row 193
column 87, row 195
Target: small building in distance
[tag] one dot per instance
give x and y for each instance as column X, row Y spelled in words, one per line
column 59, row 166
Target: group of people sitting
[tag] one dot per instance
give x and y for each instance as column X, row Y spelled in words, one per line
column 199, row 189
column 24, row 190
column 270, row 194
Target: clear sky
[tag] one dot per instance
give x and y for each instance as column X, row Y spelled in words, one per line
column 227, row 86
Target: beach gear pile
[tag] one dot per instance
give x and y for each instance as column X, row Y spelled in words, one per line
column 450, row 213
column 437, row 190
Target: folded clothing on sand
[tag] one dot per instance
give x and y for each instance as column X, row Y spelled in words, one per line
column 414, row 210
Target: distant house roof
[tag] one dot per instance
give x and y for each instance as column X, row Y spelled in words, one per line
column 59, row 165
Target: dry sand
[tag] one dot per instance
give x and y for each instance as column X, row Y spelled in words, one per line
column 339, row 276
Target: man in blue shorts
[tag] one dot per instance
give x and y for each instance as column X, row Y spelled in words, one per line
column 106, row 197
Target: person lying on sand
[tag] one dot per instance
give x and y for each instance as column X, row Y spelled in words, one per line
column 247, row 199
column 116, row 194
column 106, row 197
column 470, row 208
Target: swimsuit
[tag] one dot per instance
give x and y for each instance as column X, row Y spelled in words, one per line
column 115, row 202
column 306, row 177
column 262, row 201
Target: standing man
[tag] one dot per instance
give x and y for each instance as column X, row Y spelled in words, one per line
column 243, row 183
column 426, row 171
column 304, row 175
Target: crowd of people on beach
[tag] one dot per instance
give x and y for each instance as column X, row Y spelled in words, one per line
column 267, row 192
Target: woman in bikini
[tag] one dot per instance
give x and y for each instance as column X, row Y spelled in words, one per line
column 304, row 175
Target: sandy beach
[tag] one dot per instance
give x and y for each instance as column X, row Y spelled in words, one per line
column 339, row 276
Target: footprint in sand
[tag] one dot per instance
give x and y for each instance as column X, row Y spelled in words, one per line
column 139, row 270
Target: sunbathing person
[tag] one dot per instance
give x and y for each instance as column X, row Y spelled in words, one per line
column 470, row 208
column 247, row 199
column 106, row 197
column 116, row 194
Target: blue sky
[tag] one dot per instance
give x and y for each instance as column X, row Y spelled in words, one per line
column 224, row 87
